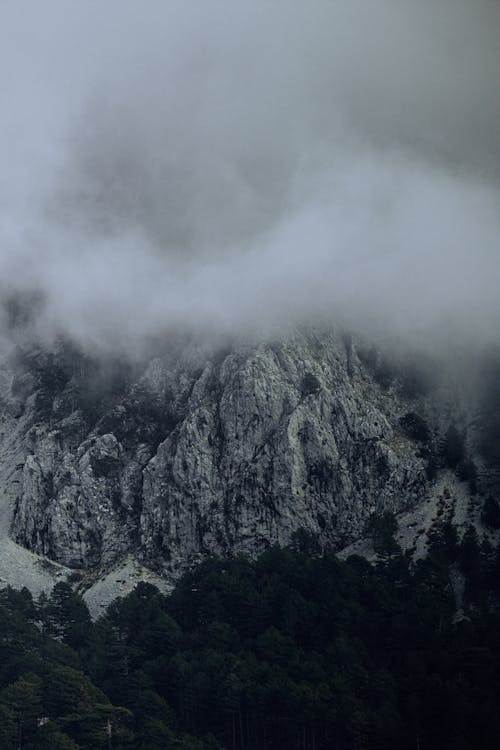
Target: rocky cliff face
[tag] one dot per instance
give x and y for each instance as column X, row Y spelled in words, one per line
column 224, row 453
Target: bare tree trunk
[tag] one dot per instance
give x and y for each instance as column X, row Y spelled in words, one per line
column 240, row 718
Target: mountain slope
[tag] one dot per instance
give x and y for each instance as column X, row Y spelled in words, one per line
column 200, row 453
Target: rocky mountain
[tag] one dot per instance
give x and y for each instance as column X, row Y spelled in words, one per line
column 113, row 470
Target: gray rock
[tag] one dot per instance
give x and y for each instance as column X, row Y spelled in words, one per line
column 218, row 453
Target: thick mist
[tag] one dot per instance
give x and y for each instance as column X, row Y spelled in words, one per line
column 228, row 168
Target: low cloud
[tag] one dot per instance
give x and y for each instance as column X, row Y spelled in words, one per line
column 239, row 168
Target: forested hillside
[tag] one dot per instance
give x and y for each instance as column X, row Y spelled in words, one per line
column 290, row 651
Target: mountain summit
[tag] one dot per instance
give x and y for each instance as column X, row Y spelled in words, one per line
column 109, row 466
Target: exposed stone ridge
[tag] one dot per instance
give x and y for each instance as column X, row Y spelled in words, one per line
column 221, row 453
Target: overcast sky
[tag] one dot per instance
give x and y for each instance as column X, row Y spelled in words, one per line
column 235, row 166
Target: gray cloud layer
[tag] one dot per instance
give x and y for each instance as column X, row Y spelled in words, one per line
column 230, row 167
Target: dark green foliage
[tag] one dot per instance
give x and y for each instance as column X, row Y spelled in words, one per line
column 443, row 543
column 382, row 528
column 105, row 394
column 491, row 513
column 65, row 616
column 415, row 427
column 413, row 375
column 306, row 543
column 432, row 466
column 467, row 472
column 289, row 651
column 46, row 701
column 67, row 381
column 141, row 416
column 453, row 448
column 348, row 345
column 310, row 384
column 450, row 452
column 490, row 409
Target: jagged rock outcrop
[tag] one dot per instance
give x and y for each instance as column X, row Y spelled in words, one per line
column 222, row 452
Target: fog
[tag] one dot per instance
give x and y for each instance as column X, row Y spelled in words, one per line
column 237, row 168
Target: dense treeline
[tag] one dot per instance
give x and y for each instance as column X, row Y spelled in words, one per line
column 288, row 652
